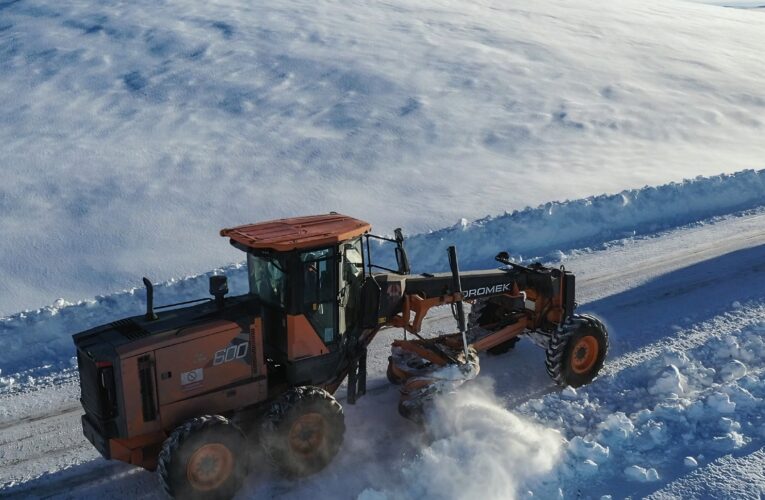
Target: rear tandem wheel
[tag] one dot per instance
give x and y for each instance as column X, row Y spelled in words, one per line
column 204, row 458
column 303, row 430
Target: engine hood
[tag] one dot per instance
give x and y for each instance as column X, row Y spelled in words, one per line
column 138, row 334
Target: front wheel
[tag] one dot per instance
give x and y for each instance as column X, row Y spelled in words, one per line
column 575, row 355
column 205, row 458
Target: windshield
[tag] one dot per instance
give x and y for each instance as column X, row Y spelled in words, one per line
column 267, row 280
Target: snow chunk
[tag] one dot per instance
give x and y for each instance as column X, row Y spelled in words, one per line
column 568, row 393
column 676, row 358
column 579, row 447
column 690, row 462
column 640, row 474
column 617, row 428
column 720, row 402
column 671, row 381
column 733, row 371
column 729, row 442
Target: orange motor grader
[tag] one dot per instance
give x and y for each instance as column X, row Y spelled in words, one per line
column 184, row 390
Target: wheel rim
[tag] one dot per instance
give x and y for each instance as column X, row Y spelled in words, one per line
column 209, row 466
column 584, row 355
column 307, row 434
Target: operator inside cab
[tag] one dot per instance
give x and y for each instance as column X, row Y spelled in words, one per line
column 322, row 284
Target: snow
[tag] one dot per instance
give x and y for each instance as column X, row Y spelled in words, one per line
column 550, row 229
column 474, row 436
column 733, row 3
column 50, row 327
column 133, row 131
column 637, row 473
column 670, row 382
column 660, row 428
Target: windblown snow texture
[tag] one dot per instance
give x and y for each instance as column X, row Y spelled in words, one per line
column 132, row 132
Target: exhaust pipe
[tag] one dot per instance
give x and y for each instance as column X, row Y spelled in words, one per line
column 150, row 316
column 219, row 289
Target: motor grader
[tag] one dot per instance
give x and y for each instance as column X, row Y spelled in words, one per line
column 187, row 389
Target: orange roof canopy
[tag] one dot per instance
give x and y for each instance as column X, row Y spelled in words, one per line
column 298, row 232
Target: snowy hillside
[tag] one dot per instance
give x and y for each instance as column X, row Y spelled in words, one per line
column 133, row 131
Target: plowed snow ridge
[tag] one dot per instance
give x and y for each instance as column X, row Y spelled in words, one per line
column 545, row 231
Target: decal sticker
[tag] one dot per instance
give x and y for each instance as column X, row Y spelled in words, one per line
column 394, row 290
column 192, row 377
column 486, row 290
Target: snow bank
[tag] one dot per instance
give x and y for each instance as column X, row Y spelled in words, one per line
column 546, row 230
column 37, row 346
column 552, row 228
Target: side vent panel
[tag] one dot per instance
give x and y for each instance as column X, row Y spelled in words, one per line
column 146, row 379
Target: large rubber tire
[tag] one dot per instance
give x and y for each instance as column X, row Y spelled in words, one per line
column 575, row 355
column 485, row 312
column 205, row 458
column 303, row 431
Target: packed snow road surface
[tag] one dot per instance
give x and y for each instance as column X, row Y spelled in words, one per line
column 677, row 408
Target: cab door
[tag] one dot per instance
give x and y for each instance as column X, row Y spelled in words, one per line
column 351, row 271
column 320, row 292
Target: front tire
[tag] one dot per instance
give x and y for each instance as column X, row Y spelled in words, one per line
column 205, row 458
column 303, row 431
column 575, row 355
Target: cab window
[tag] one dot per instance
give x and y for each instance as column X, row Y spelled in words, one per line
column 319, row 270
column 267, row 279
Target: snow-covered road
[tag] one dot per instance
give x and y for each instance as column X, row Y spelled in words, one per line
column 648, row 290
